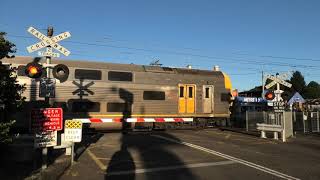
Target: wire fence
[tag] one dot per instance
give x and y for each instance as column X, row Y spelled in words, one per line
column 306, row 122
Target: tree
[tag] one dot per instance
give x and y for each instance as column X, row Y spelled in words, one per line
column 312, row 91
column 10, row 90
column 298, row 82
column 6, row 47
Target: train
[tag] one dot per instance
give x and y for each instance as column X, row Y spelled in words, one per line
column 110, row 93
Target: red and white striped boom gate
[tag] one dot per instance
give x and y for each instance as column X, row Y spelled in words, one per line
column 119, row 120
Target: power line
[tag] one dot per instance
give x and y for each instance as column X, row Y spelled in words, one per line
column 195, row 49
column 243, row 61
column 194, row 55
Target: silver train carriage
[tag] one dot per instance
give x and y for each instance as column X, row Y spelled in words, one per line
column 109, row 92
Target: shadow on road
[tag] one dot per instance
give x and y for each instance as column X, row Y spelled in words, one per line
column 153, row 152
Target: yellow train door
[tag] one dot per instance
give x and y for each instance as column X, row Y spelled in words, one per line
column 182, row 98
column 186, row 98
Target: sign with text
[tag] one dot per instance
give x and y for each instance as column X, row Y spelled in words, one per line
column 278, row 106
column 48, row 41
column 250, row 99
column 45, row 139
column 277, row 79
column 46, row 119
column 73, row 131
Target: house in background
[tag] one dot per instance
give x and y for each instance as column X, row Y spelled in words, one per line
column 296, row 101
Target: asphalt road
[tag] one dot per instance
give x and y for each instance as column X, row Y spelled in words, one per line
column 190, row 155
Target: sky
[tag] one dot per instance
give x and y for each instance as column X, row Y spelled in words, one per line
column 243, row 37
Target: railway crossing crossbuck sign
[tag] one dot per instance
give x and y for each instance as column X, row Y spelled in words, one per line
column 277, row 80
column 48, row 41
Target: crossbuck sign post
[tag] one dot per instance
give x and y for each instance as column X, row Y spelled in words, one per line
column 277, row 80
column 50, row 42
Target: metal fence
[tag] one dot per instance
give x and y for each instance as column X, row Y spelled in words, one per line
column 306, row 122
column 265, row 117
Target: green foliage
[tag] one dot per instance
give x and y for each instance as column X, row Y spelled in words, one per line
column 6, row 46
column 312, row 91
column 298, row 82
column 5, row 131
column 10, row 90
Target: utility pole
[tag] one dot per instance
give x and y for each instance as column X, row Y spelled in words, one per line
column 47, row 99
column 279, row 92
column 48, row 59
column 262, row 87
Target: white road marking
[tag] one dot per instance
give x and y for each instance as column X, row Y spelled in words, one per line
column 96, row 160
column 167, row 168
column 247, row 163
column 140, row 171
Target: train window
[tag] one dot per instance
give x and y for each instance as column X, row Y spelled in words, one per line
column 118, row 107
column 119, row 76
column 190, row 92
column 225, row 96
column 154, row 95
column 85, row 106
column 207, row 93
column 181, row 91
column 87, row 74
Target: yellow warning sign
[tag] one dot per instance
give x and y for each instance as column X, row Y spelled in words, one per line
column 73, row 124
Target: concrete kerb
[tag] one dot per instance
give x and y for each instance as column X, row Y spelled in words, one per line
column 238, row 130
column 54, row 171
column 241, row 131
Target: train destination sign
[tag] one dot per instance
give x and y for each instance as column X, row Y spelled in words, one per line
column 46, row 119
column 47, row 41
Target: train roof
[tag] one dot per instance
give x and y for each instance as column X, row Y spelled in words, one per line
column 114, row 66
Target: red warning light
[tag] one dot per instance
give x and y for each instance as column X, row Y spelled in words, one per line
column 33, row 70
column 269, row 95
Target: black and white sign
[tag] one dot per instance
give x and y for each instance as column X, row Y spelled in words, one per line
column 277, row 80
column 278, row 106
column 45, row 139
column 47, row 41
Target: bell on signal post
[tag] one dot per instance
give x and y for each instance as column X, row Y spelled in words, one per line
column 33, row 70
column 60, row 72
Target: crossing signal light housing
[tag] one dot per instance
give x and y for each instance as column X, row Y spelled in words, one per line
column 34, row 70
column 269, row 95
column 60, row 72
